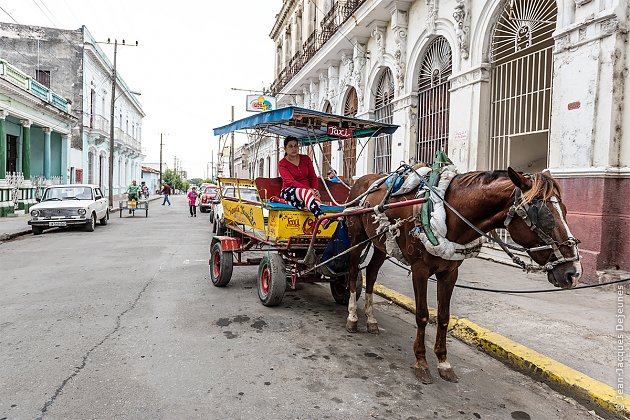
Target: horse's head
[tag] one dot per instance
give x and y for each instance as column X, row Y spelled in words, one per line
column 537, row 221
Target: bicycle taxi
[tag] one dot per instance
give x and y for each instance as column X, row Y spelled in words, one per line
column 290, row 243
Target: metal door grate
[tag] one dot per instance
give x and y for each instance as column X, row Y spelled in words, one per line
column 384, row 112
column 522, row 65
column 434, row 100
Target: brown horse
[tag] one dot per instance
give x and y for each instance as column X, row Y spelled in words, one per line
column 486, row 199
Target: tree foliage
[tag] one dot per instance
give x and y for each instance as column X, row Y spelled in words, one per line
column 175, row 180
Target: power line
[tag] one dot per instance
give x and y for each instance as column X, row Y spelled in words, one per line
column 7, row 13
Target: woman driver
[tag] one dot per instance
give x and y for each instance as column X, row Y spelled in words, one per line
column 299, row 181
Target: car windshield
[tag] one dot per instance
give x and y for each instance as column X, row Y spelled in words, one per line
column 67, row 193
column 211, row 190
column 248, row 194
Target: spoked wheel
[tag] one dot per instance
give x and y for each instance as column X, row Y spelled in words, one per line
column 221, row 265
column 272, row 279
column 341, row 289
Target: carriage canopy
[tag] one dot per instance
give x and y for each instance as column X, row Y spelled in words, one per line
column 308, row 126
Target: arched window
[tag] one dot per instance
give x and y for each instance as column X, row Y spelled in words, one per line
column 434, row 100
column 521, row 55
column 384, row 112
column 350, row 106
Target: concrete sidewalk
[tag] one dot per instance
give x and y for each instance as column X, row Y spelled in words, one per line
column 577, row 328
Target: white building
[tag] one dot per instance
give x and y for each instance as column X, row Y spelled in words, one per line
column 71, row 63
column 531, row 84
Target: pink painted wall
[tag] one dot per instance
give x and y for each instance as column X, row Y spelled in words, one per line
column 599, row 216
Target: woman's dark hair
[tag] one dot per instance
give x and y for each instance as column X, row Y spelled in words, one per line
column 287, row 139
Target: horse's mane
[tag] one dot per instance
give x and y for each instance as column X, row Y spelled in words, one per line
column 543, row 185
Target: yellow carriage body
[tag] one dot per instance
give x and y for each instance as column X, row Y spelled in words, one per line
column 274, row 222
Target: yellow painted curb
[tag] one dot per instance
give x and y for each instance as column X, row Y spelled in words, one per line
column 525, row 360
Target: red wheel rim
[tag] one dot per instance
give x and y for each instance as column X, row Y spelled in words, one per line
column 264, row 280
column 216, row 265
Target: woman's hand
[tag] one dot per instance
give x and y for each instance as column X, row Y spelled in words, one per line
column 316, row 193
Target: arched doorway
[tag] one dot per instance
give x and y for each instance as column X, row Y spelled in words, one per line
column 90, row 167
column 384, row 112
column 434, row 100
column 521, row 55
column 350, row 107
column 326, row 147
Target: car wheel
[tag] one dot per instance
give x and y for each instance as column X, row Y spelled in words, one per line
column 89, row 227
column 104, row 220
column 37, row 230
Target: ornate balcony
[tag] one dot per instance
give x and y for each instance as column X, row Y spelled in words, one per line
column 330, row 23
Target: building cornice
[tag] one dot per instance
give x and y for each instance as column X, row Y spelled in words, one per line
column 563, row 173
column 281, row 17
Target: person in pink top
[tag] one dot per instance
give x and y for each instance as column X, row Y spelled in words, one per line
column 192, row 201
column 299, row 180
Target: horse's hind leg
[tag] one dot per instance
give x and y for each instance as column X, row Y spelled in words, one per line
column 445, row 284
column 370, row 278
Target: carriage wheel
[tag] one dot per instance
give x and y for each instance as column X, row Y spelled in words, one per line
column 221, row 265
column 341, row 289
column 272, row 279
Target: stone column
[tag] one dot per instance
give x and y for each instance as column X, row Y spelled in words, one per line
column 26, row 149
column 47, row 131
column 3, row 146
column 65, row 156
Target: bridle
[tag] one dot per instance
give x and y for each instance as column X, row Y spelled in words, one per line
column 540, row 220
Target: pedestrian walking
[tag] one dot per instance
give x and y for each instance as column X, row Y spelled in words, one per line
column 192, row 201
column 166, row 191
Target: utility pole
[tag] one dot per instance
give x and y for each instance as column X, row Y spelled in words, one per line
column 232, row 148
column 161, row 145
column 111, row 131
column 111, row 123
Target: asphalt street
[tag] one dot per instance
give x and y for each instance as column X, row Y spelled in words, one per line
column 124, row 322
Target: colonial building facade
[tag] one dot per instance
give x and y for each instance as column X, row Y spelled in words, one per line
column 531, row 84
column 35, row 128
column 72, row 64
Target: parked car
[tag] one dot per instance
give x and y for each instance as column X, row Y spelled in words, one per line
column 207, row 198
column 69, row 205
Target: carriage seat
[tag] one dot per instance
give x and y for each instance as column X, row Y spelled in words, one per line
column 269, row 193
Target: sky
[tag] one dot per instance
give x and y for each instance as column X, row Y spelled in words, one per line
column 191, row 55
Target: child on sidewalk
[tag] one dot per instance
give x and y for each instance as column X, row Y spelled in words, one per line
column 192, row 201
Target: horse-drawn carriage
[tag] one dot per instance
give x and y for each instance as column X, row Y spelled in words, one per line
column 293, row 246
column 470, row 206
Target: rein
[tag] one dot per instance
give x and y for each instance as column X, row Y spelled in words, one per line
column 521, row 209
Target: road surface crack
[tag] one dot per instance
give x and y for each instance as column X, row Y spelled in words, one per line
column 86, row 356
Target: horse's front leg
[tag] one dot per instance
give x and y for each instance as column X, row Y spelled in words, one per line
column 370, row 278
column 353, row 271
column 445, row 284
column 420, row 277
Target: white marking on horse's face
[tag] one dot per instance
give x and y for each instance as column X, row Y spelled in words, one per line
column 577, row 265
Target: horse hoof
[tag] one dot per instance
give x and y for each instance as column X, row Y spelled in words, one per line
column 424, row 375
column 351, row 326
column 372, row 328
column 448, row 374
